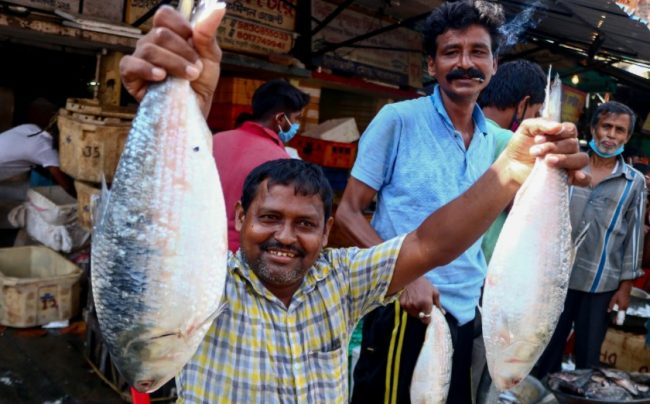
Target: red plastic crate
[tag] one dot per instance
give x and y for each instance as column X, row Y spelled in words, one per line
column 324, row 153
column 222, row 116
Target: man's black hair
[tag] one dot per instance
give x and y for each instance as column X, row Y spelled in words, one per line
column 460, row 15
column 613, row 107
column 511, row 83
column 277, row 96
column 306, row 178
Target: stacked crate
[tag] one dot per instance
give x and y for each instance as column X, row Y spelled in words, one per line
column 311, row 115
column 232, row 97
column 92, row 137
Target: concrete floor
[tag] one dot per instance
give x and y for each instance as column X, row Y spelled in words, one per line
column 46, row 366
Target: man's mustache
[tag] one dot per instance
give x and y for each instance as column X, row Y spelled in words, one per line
column 470, row 73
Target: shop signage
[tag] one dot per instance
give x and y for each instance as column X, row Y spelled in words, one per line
column 136, row 9
column 275, row 13
column 573, row 103
column 381, row 63
column 249, row 37
column 70, row 6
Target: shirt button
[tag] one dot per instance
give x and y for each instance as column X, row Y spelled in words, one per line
column 296, row 367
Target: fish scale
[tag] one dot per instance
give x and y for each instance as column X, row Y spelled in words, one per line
column 159, row 245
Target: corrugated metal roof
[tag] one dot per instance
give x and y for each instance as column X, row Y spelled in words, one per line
column 577, row 23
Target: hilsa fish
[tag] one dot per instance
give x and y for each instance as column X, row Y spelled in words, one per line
column 159, row 246
column 529, row 272
column 432, row 373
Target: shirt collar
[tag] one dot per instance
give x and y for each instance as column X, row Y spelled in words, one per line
column 256, row 128
column 477, row 114
column 624, row 169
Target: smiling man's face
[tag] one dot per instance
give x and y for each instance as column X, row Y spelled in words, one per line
column 282, row 234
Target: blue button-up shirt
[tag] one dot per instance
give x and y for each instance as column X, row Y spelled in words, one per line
column 416, row 160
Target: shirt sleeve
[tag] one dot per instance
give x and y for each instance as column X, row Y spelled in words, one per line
column 378, row 148
column 370, row 273
column 41, row 151
column 633, row 243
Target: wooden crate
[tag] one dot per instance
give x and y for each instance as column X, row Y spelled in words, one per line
column 85, row 193
column 37, row 286
column 91, row 141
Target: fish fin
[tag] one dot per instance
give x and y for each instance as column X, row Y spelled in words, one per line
column 214, row 315
column 581, row 236
column 98, row 206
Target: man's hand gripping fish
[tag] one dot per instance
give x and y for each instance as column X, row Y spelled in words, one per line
column 528, row 275
column 159, row 244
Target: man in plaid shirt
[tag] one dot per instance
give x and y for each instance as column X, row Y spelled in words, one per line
column 291, row 305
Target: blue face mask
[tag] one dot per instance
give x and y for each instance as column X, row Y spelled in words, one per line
column 616, row 152
column 287, row 135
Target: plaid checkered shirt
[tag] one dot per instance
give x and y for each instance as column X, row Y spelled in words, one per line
column 260, row 351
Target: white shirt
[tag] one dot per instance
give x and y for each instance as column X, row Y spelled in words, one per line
column 19, row 152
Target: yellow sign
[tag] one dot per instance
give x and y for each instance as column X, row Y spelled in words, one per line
column 573, row 103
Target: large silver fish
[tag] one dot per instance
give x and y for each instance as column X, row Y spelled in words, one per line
column 432, row 373
column 159, row 245
column 528, row 275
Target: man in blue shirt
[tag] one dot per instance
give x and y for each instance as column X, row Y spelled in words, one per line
column 416, row 156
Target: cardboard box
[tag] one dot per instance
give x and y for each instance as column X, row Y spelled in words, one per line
column 343, row 130
column 37, row 286
column 625, row 351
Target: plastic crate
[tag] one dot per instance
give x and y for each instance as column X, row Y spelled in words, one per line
column 236, row 90
column 222, row 116
column 325, row 153
column 37, row 286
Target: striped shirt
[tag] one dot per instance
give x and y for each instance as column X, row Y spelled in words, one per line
column 260, row 351
column 613, row 247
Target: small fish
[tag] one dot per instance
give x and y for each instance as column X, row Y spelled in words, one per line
column 432, row 373
column 159, row 244
column 610, row 385
column 534, row 253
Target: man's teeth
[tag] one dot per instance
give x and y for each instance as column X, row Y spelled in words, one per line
column 282, row 253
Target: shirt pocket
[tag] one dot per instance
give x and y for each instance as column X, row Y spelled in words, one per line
column 604, row 212
column 326, row 368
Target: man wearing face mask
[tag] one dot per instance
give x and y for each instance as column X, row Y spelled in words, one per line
column 516, row 92
column 609, row 259
column 277, row 109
